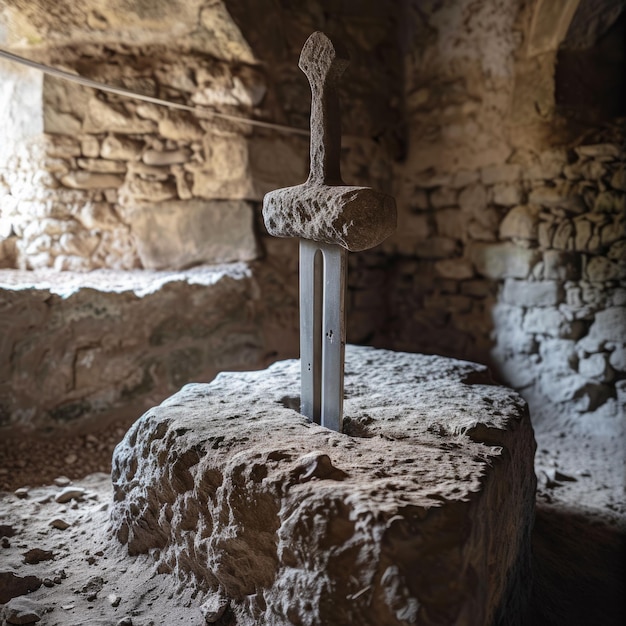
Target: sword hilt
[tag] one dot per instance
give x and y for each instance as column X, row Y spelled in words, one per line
column 323, row 62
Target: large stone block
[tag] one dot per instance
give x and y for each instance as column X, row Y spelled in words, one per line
column 503, row 260
column 610, row 325
column 600, row 269
column 104, row 344
column 272, row 519
column 558, row 356
column 532, row 293
column 550, row 321
column 178, row 234
column 521, row 222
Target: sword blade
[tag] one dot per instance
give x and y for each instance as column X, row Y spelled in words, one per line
column 322, row 331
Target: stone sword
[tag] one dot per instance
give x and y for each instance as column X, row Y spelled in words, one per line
column 330, row 218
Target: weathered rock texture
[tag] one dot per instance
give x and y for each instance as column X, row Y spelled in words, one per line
column 109, row 343
column 419, row 514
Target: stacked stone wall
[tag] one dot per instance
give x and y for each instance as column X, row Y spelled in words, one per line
column 522, row 266
column 122, row 184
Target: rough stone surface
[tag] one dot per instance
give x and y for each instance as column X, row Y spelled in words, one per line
column 22, row 611
column 13, row 585
column 356, row 218
column 118, row 339
column 177, row 234
column 277, row 520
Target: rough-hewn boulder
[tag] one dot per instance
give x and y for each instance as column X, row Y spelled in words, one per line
column 419, row 513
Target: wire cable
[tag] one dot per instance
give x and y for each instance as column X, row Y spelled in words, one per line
column 121, row 91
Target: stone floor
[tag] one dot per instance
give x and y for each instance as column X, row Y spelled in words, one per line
column 578, row 540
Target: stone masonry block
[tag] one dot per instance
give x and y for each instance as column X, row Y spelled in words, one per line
column 272, row 519
column 506, row 173
column 558, row 356
column 503, row 260
column 617, row 359
column 457, row 269
column 550, row 321
column 507, row 194
column 532, row 293
column 596, row 367
column 610, row 325
column 521, row 222
column 175, row 235
column 473, row 199
column 561, row 265
column 600, row 269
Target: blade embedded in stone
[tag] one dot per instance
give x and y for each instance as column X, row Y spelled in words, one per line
column 331, row 218
column 322, row 331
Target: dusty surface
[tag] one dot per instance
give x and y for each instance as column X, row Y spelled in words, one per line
column 81, row 576
column 107, row 343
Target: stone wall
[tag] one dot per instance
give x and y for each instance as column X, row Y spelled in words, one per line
column 523, row 266
column 119, row 184
column 511, row 242
column 116, row 183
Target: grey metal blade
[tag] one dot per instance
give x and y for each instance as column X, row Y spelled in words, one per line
column 334, row 335
column 311, row 302
column 322, row 331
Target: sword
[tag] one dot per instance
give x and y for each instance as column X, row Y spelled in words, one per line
column 331, row 218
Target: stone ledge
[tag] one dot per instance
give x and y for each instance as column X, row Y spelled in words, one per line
column 420, row 514
column 140, row 282
column 108, row 344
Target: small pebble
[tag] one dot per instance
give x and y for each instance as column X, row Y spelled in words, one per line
column 125, row 621
column 61, row 481
column 70, row 459
column 44, row 499
column 37, row 555
column 114, row 600
column 47, row 582
column 91, row 560
column 59, row 523
column 69, row 493
column 5, row 542
column 92, row 596
column 563, row 476
column 22, row 611
column 56, row 580
column 21, row 493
